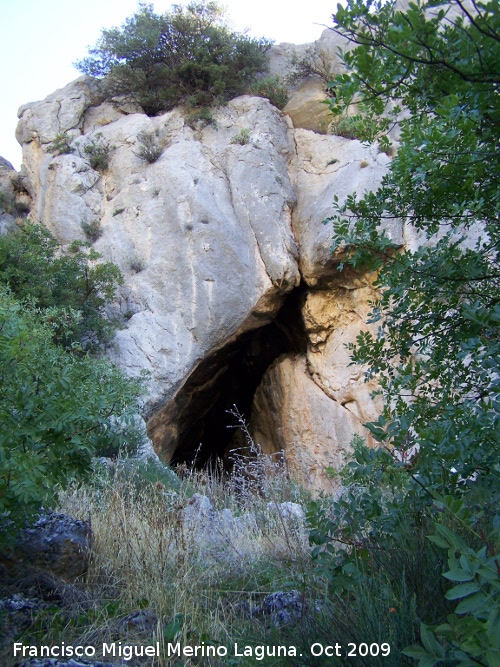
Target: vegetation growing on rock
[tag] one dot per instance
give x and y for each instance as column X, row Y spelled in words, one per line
column 273, row 88
column 187, row 55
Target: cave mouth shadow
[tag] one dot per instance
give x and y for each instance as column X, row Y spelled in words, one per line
column 227, row 381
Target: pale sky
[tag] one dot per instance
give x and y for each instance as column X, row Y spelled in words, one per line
column 40, row 39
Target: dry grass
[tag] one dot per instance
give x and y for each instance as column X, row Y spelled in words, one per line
column 155, row 549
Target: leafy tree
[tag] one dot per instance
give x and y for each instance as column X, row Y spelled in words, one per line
column 185, row 55
column 437, row 351
column 59, row 406
column 57, row 411
column 73, row 285
column 434, row 69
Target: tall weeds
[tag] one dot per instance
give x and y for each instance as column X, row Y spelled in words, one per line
column 198, row 573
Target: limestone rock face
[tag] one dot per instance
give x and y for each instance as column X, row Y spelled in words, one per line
column 333, row 318
column 62, row 111
column 306, row 69
column 291, row 413
column 202, row 235
column 306, row 109
column 213, row 236
column 325, row 166
column 310, row 405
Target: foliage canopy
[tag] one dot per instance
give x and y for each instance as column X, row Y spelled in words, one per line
column 437, row 352
column 57, row 410
column 59, row 405
column 185, row 55
column 74, row 285
column 433, row 69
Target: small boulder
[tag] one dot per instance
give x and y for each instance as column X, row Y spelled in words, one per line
column 288, row 510
column 283, row 607
column 143, row 622
column 55, row 543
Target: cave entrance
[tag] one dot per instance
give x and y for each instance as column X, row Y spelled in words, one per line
column 230, row 377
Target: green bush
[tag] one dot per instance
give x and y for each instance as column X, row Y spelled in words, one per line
column 272, row 88
column 59, row 406
column 371, row 547
column 92, row 230
column 185, row 55
column 98, row 151
column 57, row 410
column 242, row 138
column 144, row 474
column 358, row 127
column 130, row 437
column 436, row 351
column 201, row 117
column 61, row 145
column 73, row 285
column 150, row 146
column 471, row 635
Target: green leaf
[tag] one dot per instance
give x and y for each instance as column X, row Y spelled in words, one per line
column 425, row 659
column 440, row 541
column 462, row 591
column 472, row 603
column 452, row 539
column 457, row 575
column 430, row 642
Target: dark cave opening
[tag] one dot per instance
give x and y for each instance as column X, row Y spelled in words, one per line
column 230, row 378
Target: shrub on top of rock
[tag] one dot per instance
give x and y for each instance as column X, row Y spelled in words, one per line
column 61, row 144
column 273, row 88
column 187, row 54
column 97, row 151
column 150, row 146
column 242, row 138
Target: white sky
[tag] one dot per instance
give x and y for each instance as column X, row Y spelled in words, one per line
column 40, row 39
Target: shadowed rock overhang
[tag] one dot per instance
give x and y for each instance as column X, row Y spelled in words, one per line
column 197, row 427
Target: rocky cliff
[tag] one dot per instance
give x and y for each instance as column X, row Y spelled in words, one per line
column 231, row 293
